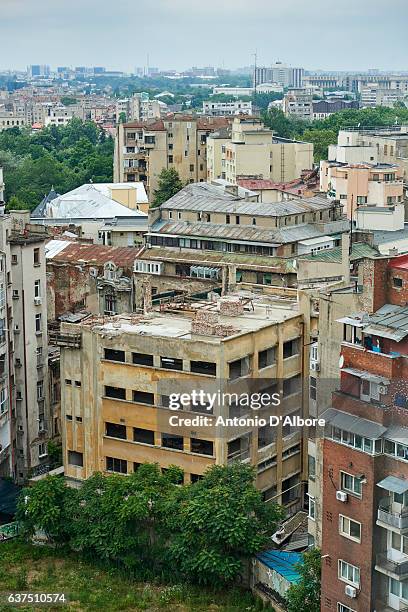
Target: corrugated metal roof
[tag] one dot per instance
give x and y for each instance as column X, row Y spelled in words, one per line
column 278, row 264
column 206, row 197
column 397, row 318
column 394, row 484
column 359, row 251
column 282, row 562
column 353, row 424
column 250, row 233
column 94, row 254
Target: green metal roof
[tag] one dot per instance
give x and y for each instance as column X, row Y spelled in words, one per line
column 360, row 250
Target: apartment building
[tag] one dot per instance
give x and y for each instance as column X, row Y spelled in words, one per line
column 252, row 151
column 118, row 375
column 208, row 217
column 142, row 150
column 325, row 108
column 280, row 73
column 373, row 145
column 373, row 95
column 365, row 453
column 220, row 109
column 363, row 186
column 298, row 102
column 25, row 419
column 9, row 120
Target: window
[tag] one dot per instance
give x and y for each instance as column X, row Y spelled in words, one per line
column 110, row 303
column 349, row 528
column 311, row 467
column 291, row 348
column 227, row 219
column 14, row 259
column 171, row 363
column 3, row 401
column 42, row 450
column 75, row 458
column 399, row 543
column 141, row 397
column 114, row 355
column 170, row 159
column 116, row 465
column 240, row 367
column 349, row 573
column 38, row 329
column 237, row 219
column 266, row 436
column 36, row 257
column 399, row 589
column 191, row 167
column 115, row 431
column 313, row 388
column 37, row 288
column 397, row 282
column 202, row 447
column 395, row 449
column 69, row 417
column 291, row 385
column 172, row 441
column 203, row 367
column 312, row 507
column 115, row 392
column 68, row 381
column 266, row 357
column 142, row 359
column 350, row 484
column 78, row 419
column 342, row 608
column 143, row 436
column 40, row 390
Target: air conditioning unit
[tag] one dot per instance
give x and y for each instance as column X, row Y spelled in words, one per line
column 383, row 389
column 315, row 366
column 37, row 301
column 350, row 591
column 341, row 496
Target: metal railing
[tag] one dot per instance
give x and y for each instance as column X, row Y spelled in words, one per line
column 399, row 568
column 399, row 520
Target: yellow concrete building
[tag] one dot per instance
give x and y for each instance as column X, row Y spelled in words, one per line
column 252, row 151
column 143, row 149
column 118, row 375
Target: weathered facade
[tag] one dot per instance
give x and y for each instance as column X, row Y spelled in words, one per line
column 119, row 373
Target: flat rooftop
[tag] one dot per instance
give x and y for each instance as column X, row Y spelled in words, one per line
column 260, row 311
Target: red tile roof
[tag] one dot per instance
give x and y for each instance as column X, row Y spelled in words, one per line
column 399, row 263
column 96, row 254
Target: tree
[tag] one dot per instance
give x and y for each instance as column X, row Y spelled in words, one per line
column 169, row 184
column 220, row 521
column 321, row 140
column 305, row 595
column 46, row 506
column 68, row 101
column 122, row 117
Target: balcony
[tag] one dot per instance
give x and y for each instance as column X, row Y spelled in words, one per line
column 383, row 605
column 387, row 518
column 395, row 569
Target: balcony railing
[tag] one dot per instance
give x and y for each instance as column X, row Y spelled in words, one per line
column 239, row 455
column 398, row 568
column 399, row 520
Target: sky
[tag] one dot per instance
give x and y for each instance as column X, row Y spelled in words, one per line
column 118, row 34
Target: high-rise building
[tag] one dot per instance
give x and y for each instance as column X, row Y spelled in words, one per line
column 26, row 422
column 119, row 376
column 364, row 512
column 38, row 70
column 279, row 73
column 143, row 149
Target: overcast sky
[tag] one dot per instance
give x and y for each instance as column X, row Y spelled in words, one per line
column 118, row 34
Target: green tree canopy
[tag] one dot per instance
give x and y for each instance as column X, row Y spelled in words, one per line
column 151, row 524
column 169, row 184
column 305, row 595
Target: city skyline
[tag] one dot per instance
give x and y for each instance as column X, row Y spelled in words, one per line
column 310, row 36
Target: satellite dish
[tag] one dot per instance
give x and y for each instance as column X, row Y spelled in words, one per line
column 341, row 361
